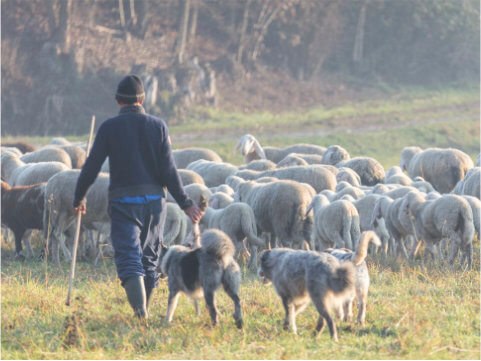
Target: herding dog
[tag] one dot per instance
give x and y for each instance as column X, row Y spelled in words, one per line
column 362, row 279
column 200, row 271
column 299, row 275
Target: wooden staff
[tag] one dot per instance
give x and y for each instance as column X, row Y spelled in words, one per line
column 79, row 220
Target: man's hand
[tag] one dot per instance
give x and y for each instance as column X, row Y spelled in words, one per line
column 194, row 213
column 82, row 208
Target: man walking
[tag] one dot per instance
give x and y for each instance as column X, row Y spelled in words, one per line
column 141, row 167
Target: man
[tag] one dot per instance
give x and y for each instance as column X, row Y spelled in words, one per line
column 141, row 166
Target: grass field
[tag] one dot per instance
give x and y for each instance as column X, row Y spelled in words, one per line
column 414, row 311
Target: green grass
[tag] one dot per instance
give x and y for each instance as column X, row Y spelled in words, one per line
column 413, row 313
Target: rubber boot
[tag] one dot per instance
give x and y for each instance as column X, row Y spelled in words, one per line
column 135, row 289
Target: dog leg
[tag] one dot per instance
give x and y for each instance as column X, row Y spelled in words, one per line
column 361, row 309
column 332, row 326
column 197, row 308
column 348, row 310
column 320, row 326
column 172, row 305
column 210, row 302
column 231, row 282
column 288, row 309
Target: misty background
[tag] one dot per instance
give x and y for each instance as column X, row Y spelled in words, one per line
column 61, row 60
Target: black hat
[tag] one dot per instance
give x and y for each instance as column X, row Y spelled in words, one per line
column 130, row 90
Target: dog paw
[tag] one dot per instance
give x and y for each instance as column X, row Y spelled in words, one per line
column 239, row 323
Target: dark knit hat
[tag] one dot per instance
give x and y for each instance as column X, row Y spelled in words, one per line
column 130, row 90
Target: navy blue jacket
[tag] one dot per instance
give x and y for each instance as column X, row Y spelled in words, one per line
column 140, row 158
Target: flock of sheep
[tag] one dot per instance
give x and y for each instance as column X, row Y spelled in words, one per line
column 280, row 197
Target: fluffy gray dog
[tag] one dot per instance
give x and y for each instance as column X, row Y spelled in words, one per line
column 362, row 279
column 300, row 275
column 199, row 272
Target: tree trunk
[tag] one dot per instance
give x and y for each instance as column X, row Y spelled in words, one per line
column 359, row 39
column 52, row 9
column 64, row 24
column 245, row 22
column 133, row 17
column 193, row 21
column 183, row 31
column 122, row 14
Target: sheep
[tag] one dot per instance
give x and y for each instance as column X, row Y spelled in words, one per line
column 299, row 159
column 22, row 209
column 279, row 208
column 224, row 188
column 385, row 221
column 348, row 175
column 189, row 176
column 443, row 168
column 449, row 217
column 251, row 150
column 471, row 182
column 335, row 154
column 394, row 170
column 195, row 191
column 315, row 175
column 291, row 160
column 406, row 155
column 60, row 141
column 238, row 222
column 399, row 179
column 354, row 192
column 77, row 155
column 213, row 173
column 220, row 200
column 369, row 169
column 15, row 172
column 234, row 181
column 421, row 185
column 13, row 150
column 48, row 154
column 475, row 205
column 259, row 165
column 58, row 214
column 175, row 226
column 21, row 146
column 399, row 192
column 336, row 224
column 183, row 157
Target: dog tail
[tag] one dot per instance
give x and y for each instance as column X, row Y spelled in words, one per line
column 217, row 244
column 342, row 278
column 362, row 245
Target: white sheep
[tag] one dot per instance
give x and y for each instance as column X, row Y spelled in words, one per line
column 448, row 217
column 213, row 173
column 15, row 172
column 259, row 165
column 335, row 154
column 237, row 220
column 48, row 154
column 224, row 188
column 175, row 227
column 195, row 191
column 443, row 168
column 183, row 157
column 279, row 208
column 336, row 224
column 348, row 175
column 58, row 212
column 251, row 149
column 189, row 176
column 369, row 169
column 317, row 176
column 220, row 200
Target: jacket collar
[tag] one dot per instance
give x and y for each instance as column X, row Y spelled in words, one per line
column 132, row 109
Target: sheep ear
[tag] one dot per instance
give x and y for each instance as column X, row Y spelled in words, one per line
column 259, row 150
column 305, row 246
column 241, row 140
column 309, row 209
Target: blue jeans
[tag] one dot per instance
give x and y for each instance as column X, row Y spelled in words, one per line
column 136, row 232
